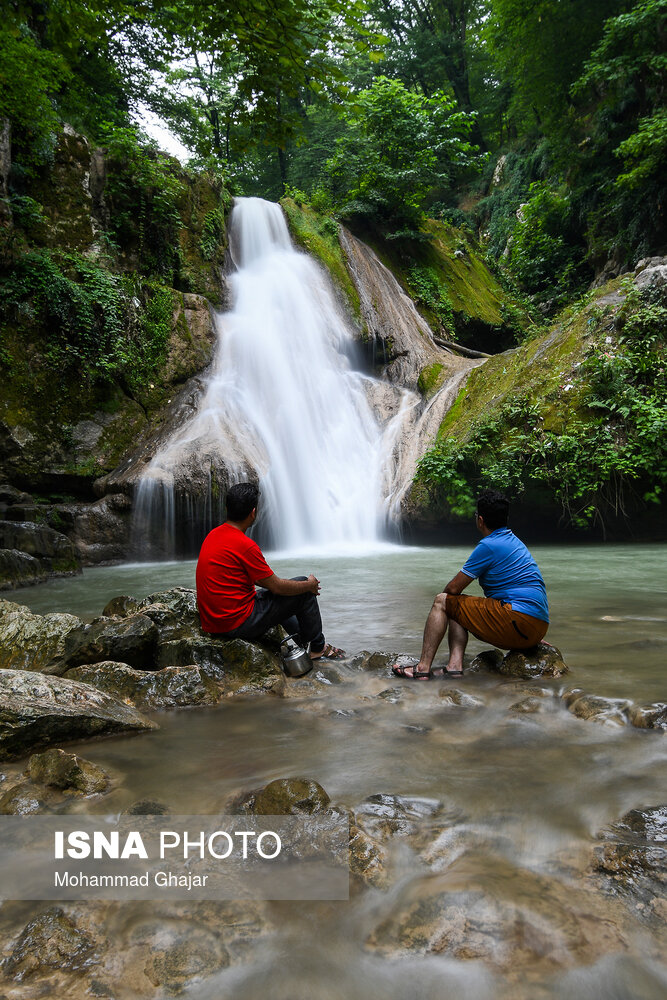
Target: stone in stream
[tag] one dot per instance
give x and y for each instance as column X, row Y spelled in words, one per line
column 591, row 706
column 170, row 687
column 37, row 710
column 50, row 941
column 240, row 667
column 543, row 660
column 23, row 800
column 633, row 858
column 54, row 551
column 57, row 769
column 33, row 642
column 383, row 816
column 18, row 569
column 649, row 716
column 283, row 797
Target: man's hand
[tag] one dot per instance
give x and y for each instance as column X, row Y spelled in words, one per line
column 313, row 585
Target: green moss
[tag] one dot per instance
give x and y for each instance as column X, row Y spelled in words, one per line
column 318, row 234
column 430, row 379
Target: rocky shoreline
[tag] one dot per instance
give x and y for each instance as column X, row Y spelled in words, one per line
column 62, row 679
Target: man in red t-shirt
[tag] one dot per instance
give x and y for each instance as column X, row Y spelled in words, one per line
column 230, row 565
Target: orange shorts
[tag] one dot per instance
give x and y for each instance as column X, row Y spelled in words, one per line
column 494, row 621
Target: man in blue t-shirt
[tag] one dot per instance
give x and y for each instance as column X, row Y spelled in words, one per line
column 513, row 614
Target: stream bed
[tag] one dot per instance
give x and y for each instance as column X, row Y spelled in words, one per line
column 496, row 891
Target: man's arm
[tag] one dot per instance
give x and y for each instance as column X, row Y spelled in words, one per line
column 458, row 584
column 287, row 588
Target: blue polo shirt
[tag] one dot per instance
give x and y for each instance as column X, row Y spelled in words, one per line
column 507, row 571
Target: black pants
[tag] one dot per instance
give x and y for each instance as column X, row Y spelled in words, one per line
column 299, row 613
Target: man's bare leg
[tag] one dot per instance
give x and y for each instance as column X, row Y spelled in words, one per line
column 434, row 633
column 458, row 640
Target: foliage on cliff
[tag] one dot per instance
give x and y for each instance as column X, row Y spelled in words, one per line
column 578, row 414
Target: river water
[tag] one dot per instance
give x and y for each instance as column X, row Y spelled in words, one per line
column 523, row 797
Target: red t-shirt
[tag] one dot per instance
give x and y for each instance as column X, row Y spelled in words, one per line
column 229, row 565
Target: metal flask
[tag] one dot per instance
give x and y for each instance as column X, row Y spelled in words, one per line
column 295, row 659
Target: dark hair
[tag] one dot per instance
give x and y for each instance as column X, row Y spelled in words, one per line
column 241, row 500
column 494, row 507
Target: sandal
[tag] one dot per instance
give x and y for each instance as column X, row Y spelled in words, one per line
column 451, row 673
column 417, row 675
column 329, row 653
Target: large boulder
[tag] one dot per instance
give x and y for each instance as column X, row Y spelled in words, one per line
column 240, row 667
column 33, row 642
column 37, row 710
column 132, row 640
column 54, row 551
column 171, row 687
column 18, row 569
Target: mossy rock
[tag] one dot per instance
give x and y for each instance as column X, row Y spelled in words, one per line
column 318, row 235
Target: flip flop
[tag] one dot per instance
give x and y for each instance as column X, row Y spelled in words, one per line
column 330, row 653
column 420, row 675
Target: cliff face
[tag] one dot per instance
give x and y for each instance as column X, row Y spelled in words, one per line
column 94, row 337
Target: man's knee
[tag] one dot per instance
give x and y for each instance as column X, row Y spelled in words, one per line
column 440, row 602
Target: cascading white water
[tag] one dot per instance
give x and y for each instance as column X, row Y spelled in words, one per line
column 282, row 373
column 283, row 398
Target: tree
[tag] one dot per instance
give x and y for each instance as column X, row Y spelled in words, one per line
column 396, row 147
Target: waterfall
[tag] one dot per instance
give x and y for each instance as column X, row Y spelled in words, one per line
column 283, row 399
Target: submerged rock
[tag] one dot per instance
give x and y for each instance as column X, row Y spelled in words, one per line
column 22, row 800
column 171, row 687
column 38, row 710
column 18, row 569
column 58, row 769
column 383, row 816
column 591, row 706
column 50, row 941
column 649, row 716
column 368, row 859
column 634, row 858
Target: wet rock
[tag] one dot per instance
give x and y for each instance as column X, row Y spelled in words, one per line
column 193, row 955
column 58, row 769
column 240, row 667
column 99, row 531
column 171, row 687
column 590, row 706
column 22, row 800
column 121, row 607
column 392, row 695
column 462, row 699
column 528, row 706
column 50, row 941
column 147, row 807
column 541, row 661
column 648, row 716
column 368, row 859
column 38, row 711
column 377, row 660
column 174, row 612
column 33, row 642
column 18, row 569
column 383, row 816
column 11, row 495
column 284, row 797
column 634, row 857
column 131, row 640
column 487, row 660
column 54, row 551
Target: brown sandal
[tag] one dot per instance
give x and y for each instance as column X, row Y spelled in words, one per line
column 329, row 653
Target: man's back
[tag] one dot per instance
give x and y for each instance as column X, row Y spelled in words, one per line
column 229, row 565
column 507, row 572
